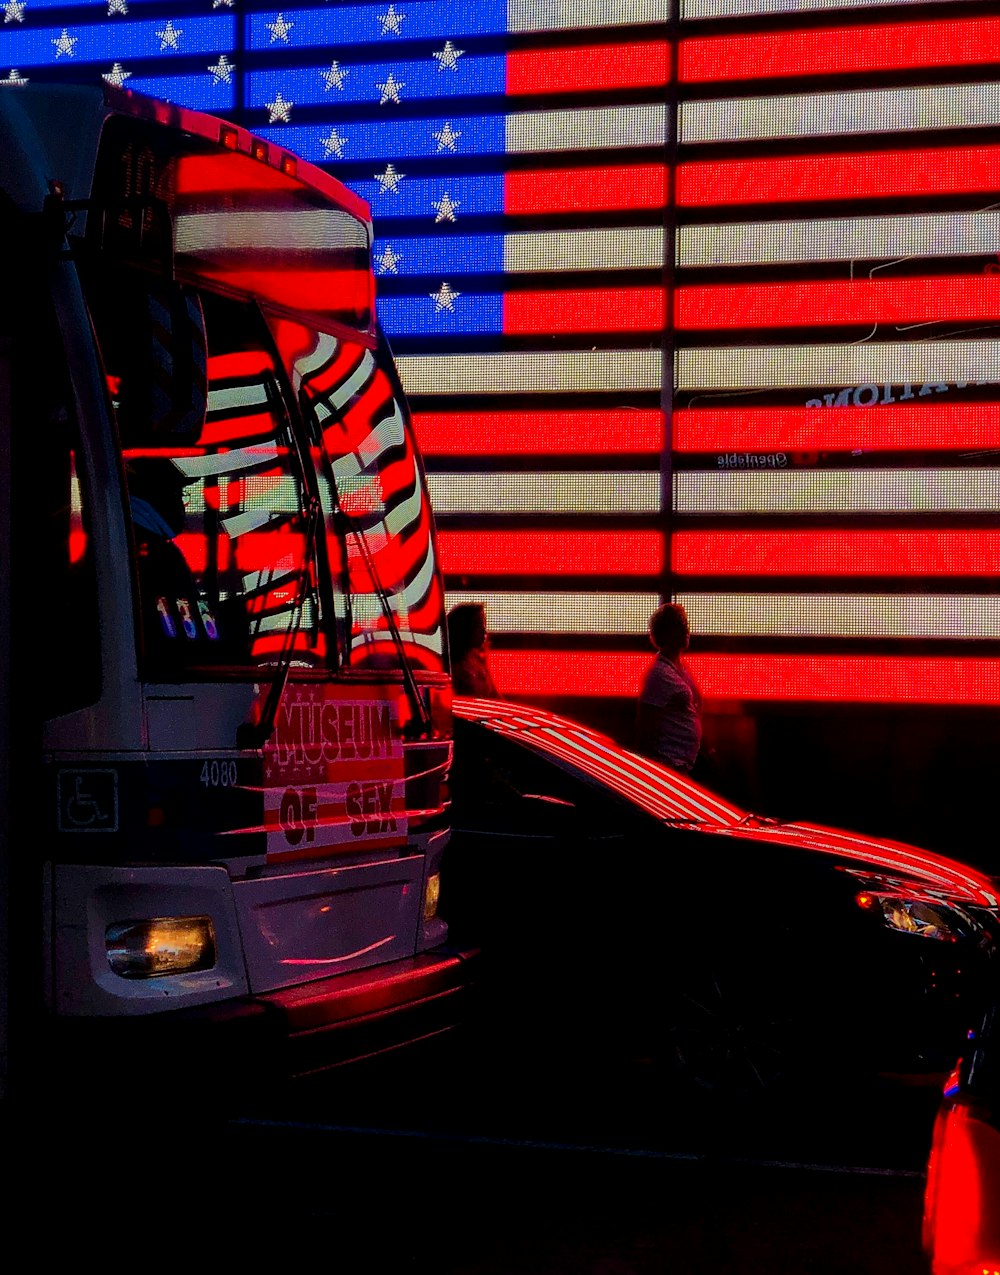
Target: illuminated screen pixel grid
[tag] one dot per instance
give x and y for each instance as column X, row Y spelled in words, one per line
column 753, row 366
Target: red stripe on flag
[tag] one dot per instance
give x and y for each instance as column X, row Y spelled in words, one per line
column 588, row 69
column 853, row 176
column 624, row 310
column 846, row 553
column 840, row 51
column 882, row 679
column 549, row 673
column 606, row 553
column 579, row 190
column 924, row 423
column 955, row 298
column 538, row 433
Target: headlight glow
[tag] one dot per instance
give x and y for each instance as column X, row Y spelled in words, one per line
column 431, row 896
column 917, row 916
column 160, row 945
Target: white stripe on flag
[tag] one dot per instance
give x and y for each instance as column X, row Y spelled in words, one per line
column 836, row 114
column 768, row 367
column 838, row 491
column 619, row 371
column 744, row 614
column 547, row 493
column 841, row 615
column 576, row 15
column 839, row 239
column 691, row 9
column 609, row 128
column 625, row 613
column 624, row 248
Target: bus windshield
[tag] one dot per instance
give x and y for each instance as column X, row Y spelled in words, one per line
column 373, row 498
column 278, row 507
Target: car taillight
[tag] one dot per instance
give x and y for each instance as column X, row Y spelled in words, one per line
column 962, row 1199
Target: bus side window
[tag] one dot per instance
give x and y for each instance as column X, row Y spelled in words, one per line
column 68, row 630
column 175, row 609
column 53, row 588
column 218, row 498
column 164, row 390
column 154, row 344
column 156, row 352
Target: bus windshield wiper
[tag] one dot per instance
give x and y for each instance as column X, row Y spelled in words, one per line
column 409, row 681
column 256, row 734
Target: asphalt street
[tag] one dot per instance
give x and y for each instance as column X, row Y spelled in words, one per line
column 455, row 1166
column 450, row 1163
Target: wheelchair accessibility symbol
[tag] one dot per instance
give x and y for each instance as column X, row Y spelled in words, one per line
column 87, row 800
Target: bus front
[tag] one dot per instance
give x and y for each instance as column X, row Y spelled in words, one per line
column 247, row 791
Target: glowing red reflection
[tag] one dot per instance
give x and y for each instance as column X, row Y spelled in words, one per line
column 620, row 310
column 833, row 553
column 962, row 1199
column 855, row 176
column 539, row 433
column 885, row 679
column 589, row 69
column 605, row 189
column 606, row 553
column 840, row 51
column 892, row 423
column 900, row 301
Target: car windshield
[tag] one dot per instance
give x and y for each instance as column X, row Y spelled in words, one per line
column 574, row 748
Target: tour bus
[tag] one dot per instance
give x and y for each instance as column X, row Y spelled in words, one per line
column 223, row 635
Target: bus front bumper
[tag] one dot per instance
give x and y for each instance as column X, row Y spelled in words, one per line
column 236, row 1046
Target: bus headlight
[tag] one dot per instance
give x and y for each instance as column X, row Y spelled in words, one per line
column 160, row 945
column 431, row 896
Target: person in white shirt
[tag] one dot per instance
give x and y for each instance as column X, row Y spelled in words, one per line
column 668, row 723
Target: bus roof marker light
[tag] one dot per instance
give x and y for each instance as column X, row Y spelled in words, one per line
column 289, row 165
column 229, row 137
column 258, row 150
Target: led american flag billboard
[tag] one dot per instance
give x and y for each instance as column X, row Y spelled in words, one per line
column 691, row 298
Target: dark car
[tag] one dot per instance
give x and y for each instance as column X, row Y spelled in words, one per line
column 962, row 1197
column 619, row 905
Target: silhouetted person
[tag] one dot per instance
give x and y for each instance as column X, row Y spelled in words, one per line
column 468, row 642
column 668, row 724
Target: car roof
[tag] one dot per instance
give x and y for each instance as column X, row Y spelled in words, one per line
column 662, row 792
column 672, row 797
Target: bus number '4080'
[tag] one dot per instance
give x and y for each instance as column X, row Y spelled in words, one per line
column 218, row 774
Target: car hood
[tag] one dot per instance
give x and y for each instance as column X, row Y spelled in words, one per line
column 875, row 860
